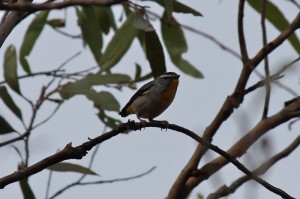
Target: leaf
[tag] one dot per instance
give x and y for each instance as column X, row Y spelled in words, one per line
column 10, row 68
column 71, row 89
column 83, row 86
column 169, row 4
column 141, row 23
column 109, row 121
column 103, row 100
column 33, row 32
column 100, row 79
column 25, row 187
column 70, row 167
column 5, row 127
column 105, row 19
column 276, row 17
column 119, row 44
column 138, row 71
column 8, row 101
column 91, row 31
column 176, row 45
column 200, row 196
column 178, row 7
column 56, row 23
column 155, row 53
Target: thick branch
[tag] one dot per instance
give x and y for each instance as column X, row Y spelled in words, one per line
column 21, row 9
column 34, row 7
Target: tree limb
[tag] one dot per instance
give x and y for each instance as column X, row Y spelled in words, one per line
column 34, row 7
column 79, row 152
column 226, row 190
column 185, row 181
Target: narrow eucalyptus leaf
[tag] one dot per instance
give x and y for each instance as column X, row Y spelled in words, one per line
column 175, row 42
column 91, row 32
column 10, row 68
column 9, row 102
column 119, row 44
column 5, row 126
column 33, row 32
column 70, row 167
column 155, row 53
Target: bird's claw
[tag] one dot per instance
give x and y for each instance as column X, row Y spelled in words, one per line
column 166, row 124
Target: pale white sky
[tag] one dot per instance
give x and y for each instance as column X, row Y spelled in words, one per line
column 196, row 103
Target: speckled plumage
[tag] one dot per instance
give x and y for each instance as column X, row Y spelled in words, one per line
column 153, row 98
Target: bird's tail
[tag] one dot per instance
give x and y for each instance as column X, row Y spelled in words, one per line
column 123, row 113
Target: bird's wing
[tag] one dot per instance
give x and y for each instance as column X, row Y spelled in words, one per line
column 142, row 91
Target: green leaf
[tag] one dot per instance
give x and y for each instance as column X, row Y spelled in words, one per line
column 276, row 17
column 138, row 71
column 105, row 18
column 178, row 7
column 100, row 79
column 103, row 100
column 91, row 31
column 109, row 121
column 83, row 86
column 141, row 23
column 33, row 32
column 5, row 127
column 155, row 53
column 70, row 167
column 10, row 68
column 25, row 187
column 8, row 101
column 56, row 23
column 200, row 196
column 176, row 45
column 119, row 44
column 169, row 4
column 71, row 89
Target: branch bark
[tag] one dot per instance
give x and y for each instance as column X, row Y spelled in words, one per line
column 34, row 7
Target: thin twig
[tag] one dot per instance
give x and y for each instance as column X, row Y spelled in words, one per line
column 77, row 182
column 103, row 181
column 266, row 60
column 273, row 77
column 48, row 184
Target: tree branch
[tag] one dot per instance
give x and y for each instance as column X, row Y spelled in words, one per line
column 267, row 49
column 79, row 183
column 79, row 152
column 185, row 182
column 34, row 7
column 241, row 146
column 226, row 190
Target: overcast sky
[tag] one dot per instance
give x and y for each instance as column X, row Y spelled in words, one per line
column 197, row 102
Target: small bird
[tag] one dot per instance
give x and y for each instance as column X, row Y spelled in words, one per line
column 153, row 98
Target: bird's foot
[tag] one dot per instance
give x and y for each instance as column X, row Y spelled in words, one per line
column 163, row 122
